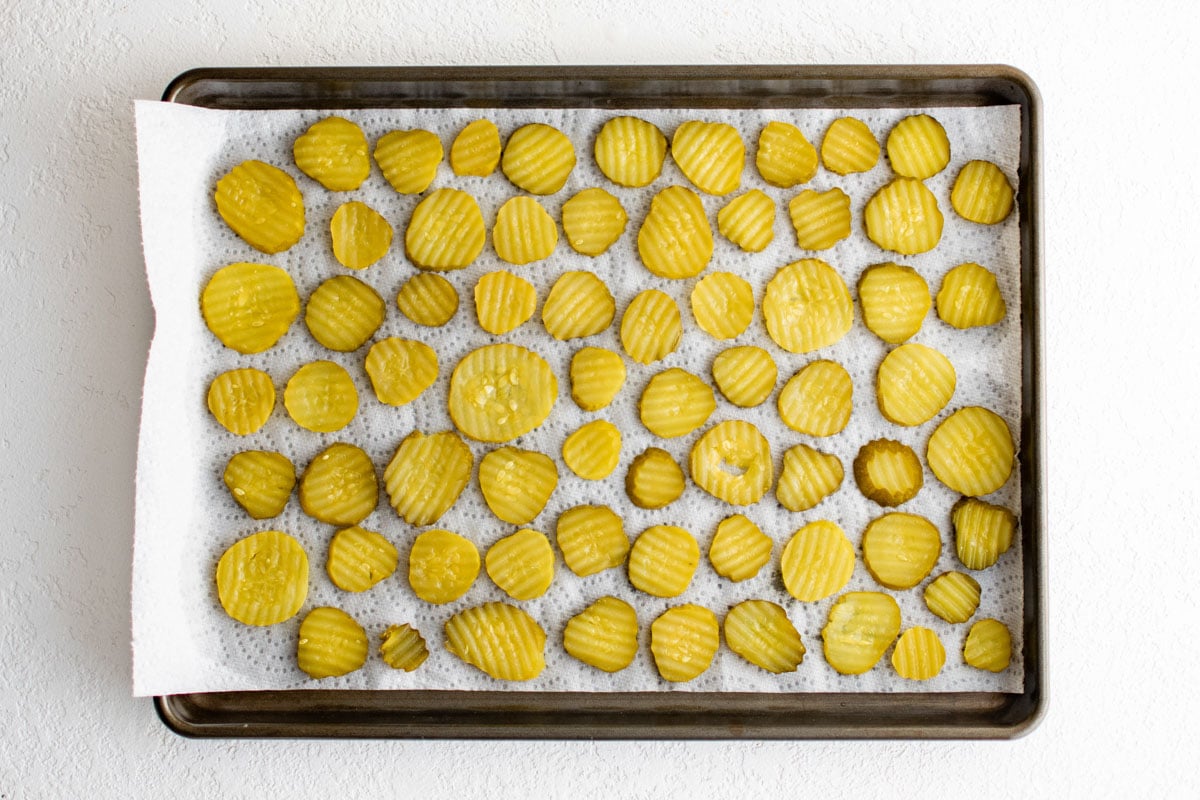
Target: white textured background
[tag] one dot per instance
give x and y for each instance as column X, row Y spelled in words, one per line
column 1120, row 174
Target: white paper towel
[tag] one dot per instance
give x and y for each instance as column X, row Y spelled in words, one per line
column 182, row 639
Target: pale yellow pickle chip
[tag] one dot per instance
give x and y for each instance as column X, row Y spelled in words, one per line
column 748, row 221
column 630, row 151
column 894, row 300
column 262, row 579
column 428, row 299
column 476, row 149
column 675, row 403
column 710, row 154
column 260, row 482
column 596, row 377
column 521, row 564
column 988, row 646
column 683, row 640
column 359, row 559
column 262, row 205
column 849, row 146
column 970, row 297
column 745, row 375
column 538, row 158
column 442, row 566
column 503, row 302
column 249, row 307
column 592, row 452
column 740, row 549
column 899, row 550
column 982, row 532
column 578, row 305
column 361, row 236
column 654, row 479
column 525, row 232
column 242, row 400
column 339, row 485
column 760, row 632
column 604, row 635
column 516, row 484
column 861, row 627
column 808, row 477
column 785, row 157
column 343, row 313
column 904, row 217
column 807, row 306
column 334, row 153
column 972, row 451
column 953, row 596
column 663, row 560
column 426, row 475
column 651, row 327
column 446, row 231
column 982, row 193
column 592, row 221
column 409, row 159
column 723, row 305
column 818, row 400
column 499, row 392
column 820, row 219
column 403, row 647
column 675, row 240
column 732, row 462
column 400, row 369
column 919, row 654
column 913, row 384
column 918, row 147
column 330, row 644
column 592, row 539
column 817, row 561
column 888, row 472
column 321, row 397
column 498, row 639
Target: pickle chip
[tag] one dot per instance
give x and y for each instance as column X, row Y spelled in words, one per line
column 446, row 231
column 596, row 377
column 592, row 539
column 360, row 234
column 849, row 146
column 604, row 635
column 260, row 482
column 578, row 305
column 331, row 643
column 723, row 305
column 498, row 639
column 426, row 475
column 675, row 240
column 683, row 640
column 592, row 451
column 400, row 369
column 262, row 205
column 807, row 306
column 808, row 477
column 888, row 472
column 904, row 217
column 972, row 451
column 524, row 232
column 894, row 301
column 339, row 485
column 343, row 313
column 953, row 596
column 745, row 375
column 732, row 462
column 242, row 400
column 970, row 297
column 654, row 479
column 592, row 221
column 663, row 560
column 982, row 193
column 675, row 403
column 817, row 561
column 818, row 400
column 428, row 299
column 503, row 302
column 630, row 151
column 651, row 327
column 476, row 149
column 409, row 159
column 522, row 564
column 442, row 566
column 538, row 158
column 913, row 384
column 501, row 391
column 739, row 549
column 919, row 654
column 861, row 627
column 918, row 147
column 359, row 559
column 760, row 632
column 263, row 578
column 516, row 484
column 403, row 647
column 982, row 532
column 988, row 646
column 710, row 154
column 748, row 221
column 321, row 397
column 334, row 153
column 785, row 157
column 820, row 219
column 899, row 550
column 249, row 307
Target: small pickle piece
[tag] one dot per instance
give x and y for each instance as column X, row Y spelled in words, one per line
column 760, row 632
column 953, row 596
column 503, row 302
column 476, row 149
column 820, row 219
column 592, row 221
column 596, row 377
column 321, row 397
column 630, row 151
column 249, row 307
column 918, row 147
column 521, row 564
column 501, row 391
column 442, row 566
column 426, row 475
column 525, row 232
column 663, row 560
column 904, row 217
column 817, row 561
column 651, row 327
column 807, row 306
column 723, row 305
column 817, row 400
column 899, row 549
column 972, row 451
column 578, row 305
column 343, row 313
column 913, row 384
column 732, row 462
column 262, row 579
column 242, row 400
column 361, row 236
column 604, row 635
column 710, row 154
column 654, row 480
column 808, row 477
column 849, row 146
column 988, row 646
column 861, row 627
column 982, row 532
column 982, row 193
column 785, row 157
column 409, row 159
column 745, row 375
column 683, row 640
column 675, row 403
column 516, row 484
column 739, row 549
column 359, row 559
column 331, row 643
column 675, row 240
column 400, row 369
column 446, row 231
column 334, row 153
column 403, row 647
column 592, row 452
column 592, row 539
column 538, row 158
column 894, row 300
column 970, row 297
column 262, row 205
column 888, row 472
column 428, row 299
column 339, row 485
column 919, row 654
column 748, row 221
column 498, row 639
column 260, row 481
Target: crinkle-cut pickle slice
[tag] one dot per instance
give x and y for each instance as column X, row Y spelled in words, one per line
column 904, row 217
column 654, row 479
column 630, row 151
column 592, row 451
column 894, row 300
column 663, row 560
column 807, row 306
column 442, row 565
column 516, row 483
column 360, row 234
column 860, row 628
column 578, row 305
column 501, row 391
column 499, row 639
column 403, row 647
column 683, row 640
column 409, row 159
column 972, row 451
column 982, row 532
column 785, row 157
column 817, row 561
column 343, row 313
column 918, row 147
column 242, row 400
column 359, row 559
column 913, row 384
column 919, row 654
column 888, row 472
column 503, row 301
column 538, row 158
column 970, row 297
column 331, row 643
column 723, row 305
column 899, row 550
column 339, row 485
column 675, row 240
column 748, row 221
column 760, row 632
column 428, row 299
column 321, row 397
column 525, row 232
column 849, row 146
column 592, row 539
column 953, row 596
column 596, row 377
column 262, row 579
column 982, row 193
column 262, row 205
column 446, row 231
column 710, row 154
column 260, row 481
column 249, row 307
column 521, row 564
column 334, row 153
column 592, row 221
column 808, row 477
column 426, row 475
column 651, row 327
column 476, row 149
column 745, row 375
column 400, row 369
column 739, row 549
column 818, row 400
column 675, row 403
column 732, row 462
column 988, row 646
column 604, row 635
column 820, row 219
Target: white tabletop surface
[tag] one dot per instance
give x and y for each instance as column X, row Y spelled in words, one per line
column 1121, row 170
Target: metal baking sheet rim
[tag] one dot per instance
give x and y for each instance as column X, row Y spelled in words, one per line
column 634, row 715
